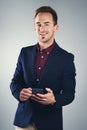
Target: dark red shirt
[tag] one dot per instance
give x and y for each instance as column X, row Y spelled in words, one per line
column 41, row 59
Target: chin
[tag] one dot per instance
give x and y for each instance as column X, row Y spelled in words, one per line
column 43, row 41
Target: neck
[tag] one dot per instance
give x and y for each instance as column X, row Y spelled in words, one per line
column 46, row 44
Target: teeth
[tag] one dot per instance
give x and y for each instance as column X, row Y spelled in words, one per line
column 42, row 34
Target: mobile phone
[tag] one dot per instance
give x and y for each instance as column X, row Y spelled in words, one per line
column 37, row 90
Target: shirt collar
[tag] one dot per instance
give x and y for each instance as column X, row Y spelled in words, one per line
column 47, row 50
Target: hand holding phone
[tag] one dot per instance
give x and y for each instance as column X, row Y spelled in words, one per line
column 37, row 90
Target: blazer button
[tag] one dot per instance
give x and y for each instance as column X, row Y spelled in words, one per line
column 37, row 80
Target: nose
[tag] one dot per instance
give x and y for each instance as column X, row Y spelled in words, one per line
column 42, row 28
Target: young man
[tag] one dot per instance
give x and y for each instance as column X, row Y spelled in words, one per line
column 44, row 78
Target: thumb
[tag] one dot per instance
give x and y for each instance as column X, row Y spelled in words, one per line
column 48, row 90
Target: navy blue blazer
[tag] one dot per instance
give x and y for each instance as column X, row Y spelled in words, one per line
column 58, row 74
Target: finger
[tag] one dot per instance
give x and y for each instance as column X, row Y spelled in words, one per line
column 23, row 98
column 27, row 90
column 48, row 90
column 37, row 99
column 41, row 101
column 30, row 89
column 25, row 95
column 40, row 95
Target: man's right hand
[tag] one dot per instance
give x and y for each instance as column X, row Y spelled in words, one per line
column 25, row 94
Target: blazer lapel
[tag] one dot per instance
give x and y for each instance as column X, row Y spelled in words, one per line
column 32, row 62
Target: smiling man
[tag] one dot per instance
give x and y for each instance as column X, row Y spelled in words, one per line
column 45, row 29
column 44, row 79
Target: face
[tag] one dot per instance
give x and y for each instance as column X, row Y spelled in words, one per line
column 44, row 27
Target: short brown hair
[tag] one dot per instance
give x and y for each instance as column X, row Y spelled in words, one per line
column 47, row 9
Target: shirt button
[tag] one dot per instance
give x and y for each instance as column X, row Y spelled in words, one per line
column 42, row 57
column 47, row 53
column 39, row 68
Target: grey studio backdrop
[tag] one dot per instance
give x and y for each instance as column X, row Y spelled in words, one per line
column 17, row 31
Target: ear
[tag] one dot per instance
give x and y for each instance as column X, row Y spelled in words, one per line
column 56, row 27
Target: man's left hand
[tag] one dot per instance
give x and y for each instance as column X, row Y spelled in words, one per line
column 45, row 99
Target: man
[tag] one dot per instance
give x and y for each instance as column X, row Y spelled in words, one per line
column 47, row 67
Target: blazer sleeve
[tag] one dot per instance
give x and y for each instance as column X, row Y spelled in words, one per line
column 67, row 93
column 17, row 82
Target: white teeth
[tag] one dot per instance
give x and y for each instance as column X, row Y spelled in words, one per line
column 43, row 34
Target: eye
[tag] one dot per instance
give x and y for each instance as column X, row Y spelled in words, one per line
column 47, row 24
column 38, row 24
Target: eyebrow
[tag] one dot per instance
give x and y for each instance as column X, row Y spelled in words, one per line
column 44, row 22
